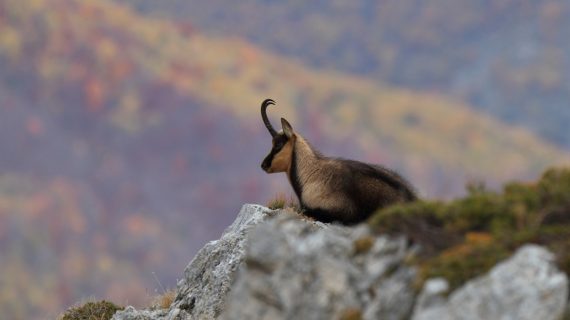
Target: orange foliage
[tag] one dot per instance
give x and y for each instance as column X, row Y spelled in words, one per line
column 479, row 238
column 473, row 240
column 249, row 56
column 35, row 126
column 137, row 224
column 130, row 71
column 121, row 69
column 94, row 90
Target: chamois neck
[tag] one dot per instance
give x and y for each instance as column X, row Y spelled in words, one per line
column 304, row 164
column 305, row 152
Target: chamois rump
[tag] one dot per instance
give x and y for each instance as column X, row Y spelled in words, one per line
column 331, row 189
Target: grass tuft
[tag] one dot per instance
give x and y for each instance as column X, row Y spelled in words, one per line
column 281, row 201
column 164, row 300
column 100, row 310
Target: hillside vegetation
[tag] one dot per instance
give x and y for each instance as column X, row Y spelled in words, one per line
column 509, row 57
column 126, row 142
column 266, row 255
column 464, row 238
column 420, row 133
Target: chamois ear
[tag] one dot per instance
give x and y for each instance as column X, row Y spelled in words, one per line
column 287, row 129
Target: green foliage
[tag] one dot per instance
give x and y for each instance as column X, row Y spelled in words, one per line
column 96, row 67
column 466, row 237
column 101, row 310
column 457, row 269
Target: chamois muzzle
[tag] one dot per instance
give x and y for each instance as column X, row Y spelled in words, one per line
column 264, row 106
column 266, row 164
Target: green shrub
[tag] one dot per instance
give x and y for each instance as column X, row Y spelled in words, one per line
column 464, row 238
column 101, row 310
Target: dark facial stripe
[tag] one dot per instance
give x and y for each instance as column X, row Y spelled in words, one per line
column 294, row 178
column 279, row 143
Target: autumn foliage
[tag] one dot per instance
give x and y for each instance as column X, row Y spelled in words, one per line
column 127, row 141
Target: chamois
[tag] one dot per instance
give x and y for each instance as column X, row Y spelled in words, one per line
column 331, row 189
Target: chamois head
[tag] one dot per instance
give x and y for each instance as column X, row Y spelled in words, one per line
column 280, row 157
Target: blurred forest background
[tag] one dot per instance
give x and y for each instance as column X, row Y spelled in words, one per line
column 130, row 131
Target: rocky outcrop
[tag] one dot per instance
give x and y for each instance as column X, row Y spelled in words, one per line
column 208, row 278
column 299, row 270
column 526, row 286
column 277, row 265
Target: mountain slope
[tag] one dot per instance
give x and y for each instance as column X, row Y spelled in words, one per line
column 231, row 74
column 244, row 74
column 508, row 58
column 124, row 136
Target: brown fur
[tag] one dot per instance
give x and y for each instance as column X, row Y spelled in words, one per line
column 317, row 175
column 282, row 160
column 332, row 189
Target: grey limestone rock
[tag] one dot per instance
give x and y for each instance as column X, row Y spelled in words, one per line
column 526, row 286
column 207, row 279
column 278, row 265
column 131, row 313
column 300, row 270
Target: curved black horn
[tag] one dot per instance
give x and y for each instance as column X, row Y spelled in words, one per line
column 264, row 106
